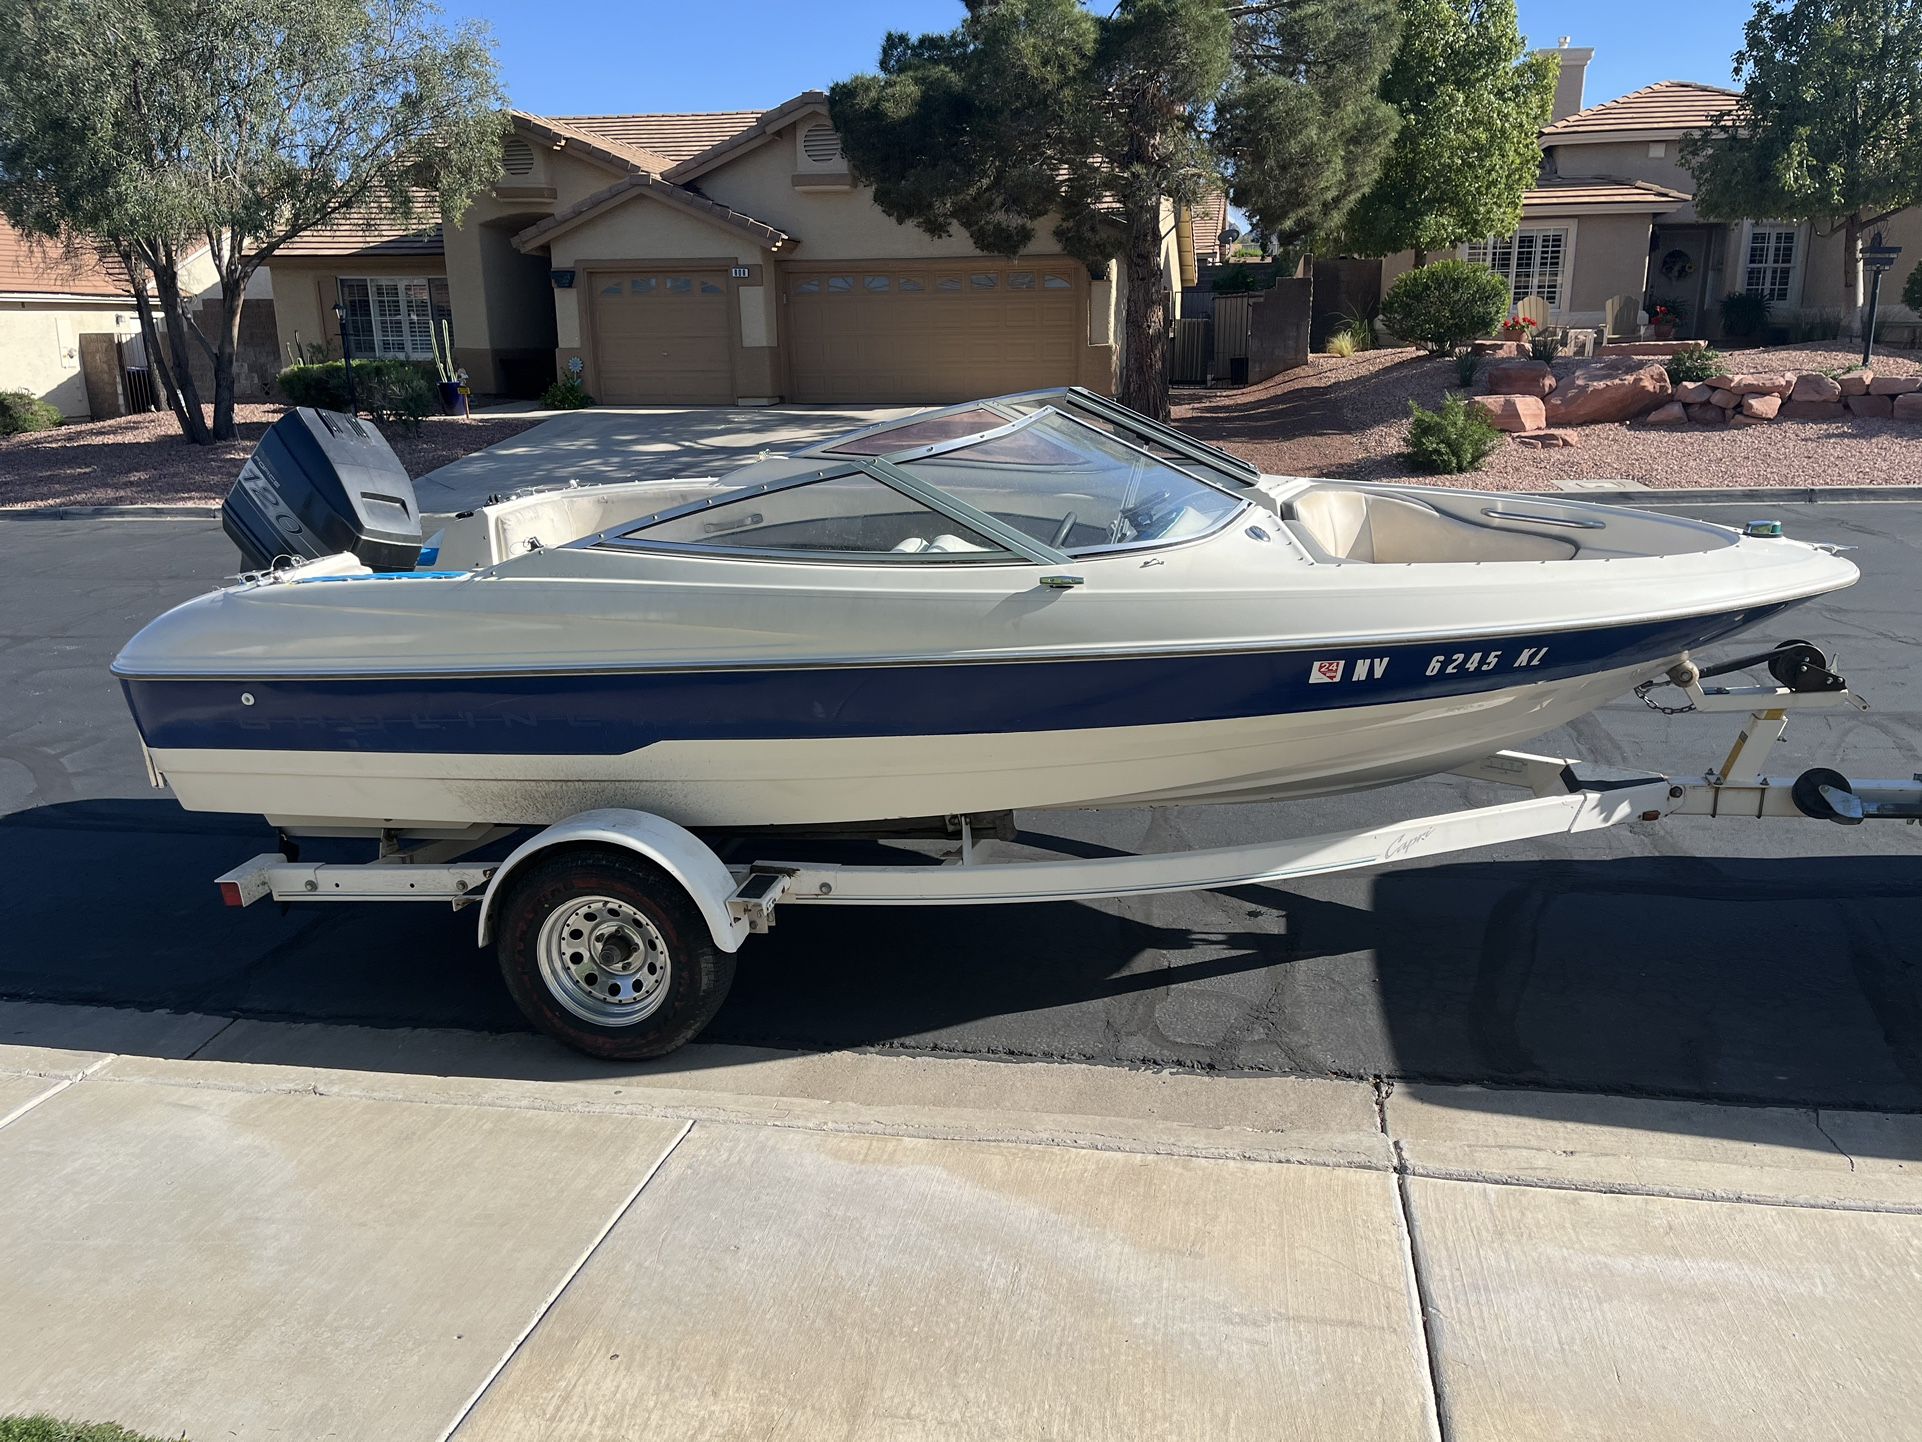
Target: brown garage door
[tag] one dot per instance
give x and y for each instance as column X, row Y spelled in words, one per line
column 660, row 337
column 886, row 332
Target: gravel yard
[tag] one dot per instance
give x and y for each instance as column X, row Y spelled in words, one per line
column 1345, row 418
column 142, row 459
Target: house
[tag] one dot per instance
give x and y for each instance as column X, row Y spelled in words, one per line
column 1613, row 214
column 48, row 300
column 724, row 257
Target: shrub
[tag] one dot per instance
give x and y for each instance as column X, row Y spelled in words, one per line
column 1343, row 343
column 1451, row 440
column 1242, row 280
column 22, row 411
column 1445, row 305
column 1466, row 364
column 387, row 390
column 1912, row 290
column 566, row 394
column 1546, row 346
column 1694, row 365
column 1745, row 312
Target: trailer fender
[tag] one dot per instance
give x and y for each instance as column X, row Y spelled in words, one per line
column 675, row 849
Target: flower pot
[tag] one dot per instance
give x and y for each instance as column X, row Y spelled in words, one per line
column 1662, row 332
column 453, row 398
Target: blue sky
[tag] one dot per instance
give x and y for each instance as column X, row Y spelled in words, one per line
column 593, row 56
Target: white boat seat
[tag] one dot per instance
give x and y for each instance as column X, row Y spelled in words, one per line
column 1357, row 526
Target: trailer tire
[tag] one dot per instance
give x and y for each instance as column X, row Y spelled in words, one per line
column 607, row 952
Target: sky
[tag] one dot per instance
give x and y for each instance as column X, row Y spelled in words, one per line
column 589, row 57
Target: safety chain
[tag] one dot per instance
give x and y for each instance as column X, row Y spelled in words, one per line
column 1641, row 694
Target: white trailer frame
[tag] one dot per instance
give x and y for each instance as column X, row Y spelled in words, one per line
column 737, row 901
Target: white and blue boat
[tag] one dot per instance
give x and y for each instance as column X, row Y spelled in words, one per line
column 1036, row 601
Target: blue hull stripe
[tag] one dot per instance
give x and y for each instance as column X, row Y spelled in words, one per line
column 609, row 714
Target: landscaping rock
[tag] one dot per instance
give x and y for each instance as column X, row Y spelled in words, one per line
column 1504, row 349
column 1548, row 440
column 1605, row 390
column 1727, row 400
column 1894, row 385
column 1694, row 393
column 1512, row 413
column 1872, row 407
column 1814, row 386
column 1855, row 382
column 1706, row 414
column 1672, row 414
column 1520, row 378
column 1909, row 407
column 1741, row 419
column 1760, row 383
column 1794, row 410
column 1762, row 407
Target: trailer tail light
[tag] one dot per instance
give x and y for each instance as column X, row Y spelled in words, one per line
column 230, row 893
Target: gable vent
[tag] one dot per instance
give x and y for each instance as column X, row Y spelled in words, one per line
column 821, row 143
column 517, row 156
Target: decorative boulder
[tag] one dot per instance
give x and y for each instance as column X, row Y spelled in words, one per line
column 1506, row 349
column 1520, row 378
column 1727, row 400
column 1894, row 385
column 1878, row 408
column 1707, row 415
column 1762, row 407
column 1794, row 410
column 1814, row 386
column 1855, row 382
column 1909, row 407
column 1756, row 383
column 1601, row 391
column 1548, row 440
column 1694, row 393
column 1672, row 414
column 1740, row 419
column 1511, row 413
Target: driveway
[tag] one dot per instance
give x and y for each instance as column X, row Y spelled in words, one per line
column 611, row 443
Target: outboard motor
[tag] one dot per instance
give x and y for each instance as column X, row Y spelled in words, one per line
column 320, row 483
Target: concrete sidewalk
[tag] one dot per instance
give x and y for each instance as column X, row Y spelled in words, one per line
column 248, row 1229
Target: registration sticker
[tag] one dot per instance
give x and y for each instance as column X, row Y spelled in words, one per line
column 1325, row 671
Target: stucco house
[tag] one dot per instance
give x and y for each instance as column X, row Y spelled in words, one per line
column 723, row 257
column 48, row 300
column 1613, row 214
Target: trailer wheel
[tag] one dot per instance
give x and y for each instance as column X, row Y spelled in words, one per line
column 606, row 952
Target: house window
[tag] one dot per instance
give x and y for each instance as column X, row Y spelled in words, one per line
column 1531, row 261
column 394, row 317
column 1771, row 261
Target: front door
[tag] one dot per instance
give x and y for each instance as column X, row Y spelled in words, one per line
column 1678, row 266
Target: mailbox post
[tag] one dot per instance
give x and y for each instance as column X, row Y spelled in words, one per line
column 1880, row 259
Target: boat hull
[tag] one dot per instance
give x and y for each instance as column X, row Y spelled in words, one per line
column 819, row 746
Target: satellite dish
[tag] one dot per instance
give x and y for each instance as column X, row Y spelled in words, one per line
column 1229, row 235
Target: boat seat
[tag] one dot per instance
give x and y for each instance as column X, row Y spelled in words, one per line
column 916, row 545
column 1356, row 526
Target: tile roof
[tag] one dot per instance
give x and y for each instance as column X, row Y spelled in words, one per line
column 673, row 137
column 765, row 124
column 1208, row 216
column 1600, row 192
column 1668, row 105
column 29, row 267
column 611, row 150
column 540, row 233
column 362, row 230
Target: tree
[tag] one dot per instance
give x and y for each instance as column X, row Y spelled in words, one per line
column 1300, row 129
column 1828, row 127
column 1472, row 106
column 150, row 129
column 1031, row 108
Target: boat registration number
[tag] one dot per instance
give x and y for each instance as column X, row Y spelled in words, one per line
column 1450, row 663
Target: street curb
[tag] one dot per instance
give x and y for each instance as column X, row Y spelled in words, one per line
column 1699, row 495
column 197, row 511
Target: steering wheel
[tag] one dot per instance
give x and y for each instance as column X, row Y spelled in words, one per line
column 1141, row 515
column 1063, row 531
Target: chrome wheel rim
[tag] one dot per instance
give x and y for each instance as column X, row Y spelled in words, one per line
column 604, row 961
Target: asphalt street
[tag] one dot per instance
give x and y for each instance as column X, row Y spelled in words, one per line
column 1744, row 961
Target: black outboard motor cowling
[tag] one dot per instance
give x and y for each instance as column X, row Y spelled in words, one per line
column 320, row 483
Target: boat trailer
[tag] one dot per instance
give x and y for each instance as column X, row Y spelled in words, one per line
column 592, row 949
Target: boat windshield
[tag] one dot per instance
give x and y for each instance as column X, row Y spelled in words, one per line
column 1074, row 487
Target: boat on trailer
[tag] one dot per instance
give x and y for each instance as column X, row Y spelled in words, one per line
column 1029, row 602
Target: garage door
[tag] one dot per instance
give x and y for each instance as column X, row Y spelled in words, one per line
column 660, row 338
column 895, row 333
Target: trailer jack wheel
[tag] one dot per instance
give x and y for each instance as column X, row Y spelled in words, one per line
column 1827, row 796
column 607, row 953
